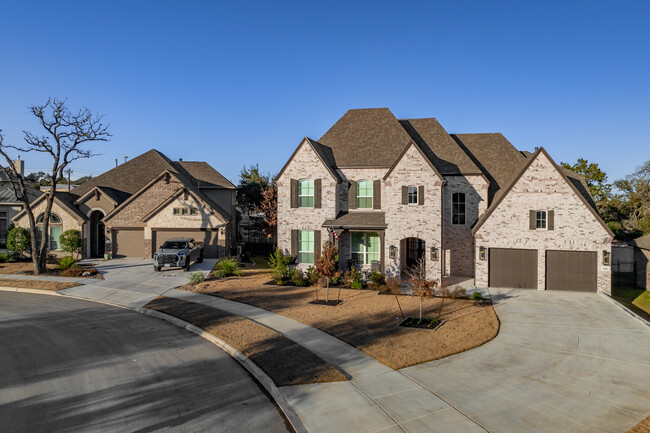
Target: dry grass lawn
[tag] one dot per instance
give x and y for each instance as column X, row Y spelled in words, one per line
column 286, row 362
column 642, row 427
column 367, row 320
column 36, row 284
column 21, row 268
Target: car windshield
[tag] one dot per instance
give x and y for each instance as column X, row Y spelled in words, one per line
column 175, row 245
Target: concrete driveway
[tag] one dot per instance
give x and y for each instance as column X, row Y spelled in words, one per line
column 70, row 365
column 561, row 362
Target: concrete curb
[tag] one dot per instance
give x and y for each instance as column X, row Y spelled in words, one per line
column 624, row 308
column 251, row 367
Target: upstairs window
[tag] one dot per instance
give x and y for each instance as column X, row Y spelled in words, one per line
column 306, row 247
column 412, row 195
column 540, row 220
column 364, row 194
column 306, row 193
column 458, row 209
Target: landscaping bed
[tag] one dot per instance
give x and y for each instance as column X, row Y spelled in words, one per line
column 367, row 320
column 37, row 284
column 27, row 268
column 286, row 362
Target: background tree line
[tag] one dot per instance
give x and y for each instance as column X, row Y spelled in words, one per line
column 624, row 204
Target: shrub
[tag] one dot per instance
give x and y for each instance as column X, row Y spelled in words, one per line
column 476, row 296
column 197, row 277
column 454, row 292
column 352, row 276
column 377, row 277
column 296, row 277
column 312, row 275
column 67, row 262
column 19, row 240
column 71, row 241
column 227, row 267
column 246, row 257
column 6, row 258
column 78, row 272
column 279, row 262
column 358, row 285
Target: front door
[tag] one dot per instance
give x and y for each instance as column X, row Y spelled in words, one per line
column 97, row 237
column 414, row 251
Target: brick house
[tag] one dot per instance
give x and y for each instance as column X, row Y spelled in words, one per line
column 391, row 191
column 132, row 209
column 641, row 261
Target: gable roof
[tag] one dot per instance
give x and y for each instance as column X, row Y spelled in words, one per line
column 64, row 199
column 643, row 242
column 324, row 154
column 205, row 174
column 399, row 158
column 440, row 148
column 368, row 137
column 7, row 194
column 520, row 173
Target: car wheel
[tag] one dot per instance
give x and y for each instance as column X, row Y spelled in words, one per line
column 200, row 259
column 156, row 268
column 186, row 268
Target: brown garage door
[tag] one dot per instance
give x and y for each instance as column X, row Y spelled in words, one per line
column 571, row 270
column 209, row 239
column 515, row 268
column 129, row 242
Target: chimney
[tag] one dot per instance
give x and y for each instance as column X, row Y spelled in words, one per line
column 19, row 165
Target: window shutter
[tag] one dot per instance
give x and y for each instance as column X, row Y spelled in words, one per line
column 420, row 195
column 317, row 245
column 376, row 194
column 551, row 220
column 352, row 195
column 405, row 195
column 531, row 220
column 317, row 193
column 294, row 193
column 294, row 243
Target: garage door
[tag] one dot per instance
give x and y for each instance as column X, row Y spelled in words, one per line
column 209, row 239
column 512, row 268
column 129, row 243
column 571, row 270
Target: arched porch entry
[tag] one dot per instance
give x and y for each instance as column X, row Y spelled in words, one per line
column 97, row 236
column 411, row 249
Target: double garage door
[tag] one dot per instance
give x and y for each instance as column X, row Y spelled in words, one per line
column 130, row 242
column 565, row 270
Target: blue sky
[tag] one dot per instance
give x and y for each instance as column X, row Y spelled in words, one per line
column 235, row 83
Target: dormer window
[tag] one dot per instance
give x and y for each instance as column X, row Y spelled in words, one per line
column 306, row 193
column 364, row 194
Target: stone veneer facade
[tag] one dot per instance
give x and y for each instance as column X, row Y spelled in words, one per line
column 642, row 268
column 542, row 187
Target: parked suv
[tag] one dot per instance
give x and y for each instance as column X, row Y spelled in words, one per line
column 179, row 253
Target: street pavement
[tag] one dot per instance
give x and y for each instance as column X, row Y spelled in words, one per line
column 71, row 365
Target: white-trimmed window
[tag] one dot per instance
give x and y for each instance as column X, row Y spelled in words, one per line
column 56, row 228
column 540, row 220
column 458, row 209
column 306, row 247
column 365, row 247
column 412, row 195
column 306, row 193
column 364, row 194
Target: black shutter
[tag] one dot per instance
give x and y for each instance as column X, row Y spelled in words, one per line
column 317, row 245
column 421, row 195
column 317, row 193
column 352, row 195
column 294, row 193
column 294, row 242
column 551, row 220
column 531, row 220
column 376, row 194
column 405, row 195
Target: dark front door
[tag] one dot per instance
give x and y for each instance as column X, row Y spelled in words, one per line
column 414, row 251
column 97, row 237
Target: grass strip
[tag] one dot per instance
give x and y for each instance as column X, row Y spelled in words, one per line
column 37, row 284
column 286, row 362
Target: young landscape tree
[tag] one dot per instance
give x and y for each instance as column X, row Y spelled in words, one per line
column 251, row 184
column 327, row 265
column 64, row 134
column 71, row 242
column 422, row 287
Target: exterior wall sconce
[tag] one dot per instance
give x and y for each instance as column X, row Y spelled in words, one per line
column 434, row 254
column 607, row 259
column 392, row 252
column 482, row 253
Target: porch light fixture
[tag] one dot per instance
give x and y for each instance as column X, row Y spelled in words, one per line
column 606, row 258
column 482, row 253
column 392, row 252
column 434, row 254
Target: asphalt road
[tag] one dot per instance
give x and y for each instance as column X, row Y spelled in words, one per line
column 69, row 365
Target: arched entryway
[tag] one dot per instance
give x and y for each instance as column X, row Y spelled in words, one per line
column 412, row 249
column 97, row 237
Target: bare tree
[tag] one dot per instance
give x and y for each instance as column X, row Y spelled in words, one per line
column 65, row 133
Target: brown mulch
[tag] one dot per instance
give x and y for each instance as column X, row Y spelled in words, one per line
column 37, row 284
column 286, row 362
column 366, row 320
column 642, row 427
column 27, row 268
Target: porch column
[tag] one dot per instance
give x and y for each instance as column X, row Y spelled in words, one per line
column 382, row 252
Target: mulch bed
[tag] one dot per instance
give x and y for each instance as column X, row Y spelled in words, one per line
column 286, row 362
column 37, row 284
column 330, row 303
column 429, row 324
column 366, row 320
column 27, row 268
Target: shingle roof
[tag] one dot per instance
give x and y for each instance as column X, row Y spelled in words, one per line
column 203, row 172
column 7, row 193
column 445, row 154
column 358, row 220
column 369, row 137
column 643, row 242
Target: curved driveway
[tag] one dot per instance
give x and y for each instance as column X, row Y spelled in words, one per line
column 70, row 365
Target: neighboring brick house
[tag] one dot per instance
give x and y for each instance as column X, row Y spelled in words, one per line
column 642, row 261
column 390, row 191
column 133, row 208
column 10, row 205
